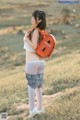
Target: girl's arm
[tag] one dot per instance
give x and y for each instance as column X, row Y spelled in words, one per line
column 35, row 37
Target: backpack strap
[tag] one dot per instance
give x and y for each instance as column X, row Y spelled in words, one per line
column 43, row 32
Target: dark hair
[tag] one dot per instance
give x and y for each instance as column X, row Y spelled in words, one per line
column 41, row 16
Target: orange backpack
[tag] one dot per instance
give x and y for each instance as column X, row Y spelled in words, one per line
column 47, row 45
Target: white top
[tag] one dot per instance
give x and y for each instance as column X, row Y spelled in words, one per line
column 27, row 45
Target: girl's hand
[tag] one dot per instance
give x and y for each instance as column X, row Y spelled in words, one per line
column 26, row 37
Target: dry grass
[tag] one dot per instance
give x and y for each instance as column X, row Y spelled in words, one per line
column 61, row 89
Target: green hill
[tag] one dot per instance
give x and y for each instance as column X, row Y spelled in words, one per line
column 61, row 89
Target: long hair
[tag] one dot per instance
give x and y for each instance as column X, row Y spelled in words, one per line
column 40, row 15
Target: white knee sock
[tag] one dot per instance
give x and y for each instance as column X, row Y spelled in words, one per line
column 31, row 93
column 38, row 92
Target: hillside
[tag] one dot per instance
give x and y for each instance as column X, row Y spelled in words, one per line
column 61, row 89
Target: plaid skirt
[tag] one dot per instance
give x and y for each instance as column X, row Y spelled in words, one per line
column 35, row 80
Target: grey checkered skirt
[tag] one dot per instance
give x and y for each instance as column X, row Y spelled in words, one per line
column 35, row 80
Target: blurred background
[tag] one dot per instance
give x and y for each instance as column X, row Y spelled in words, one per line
column 62, row 74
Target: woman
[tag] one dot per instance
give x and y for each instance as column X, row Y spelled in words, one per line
column 35, row 65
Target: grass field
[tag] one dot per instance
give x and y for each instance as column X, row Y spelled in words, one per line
column 61, row 89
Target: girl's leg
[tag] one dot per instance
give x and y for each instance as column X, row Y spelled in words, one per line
column 31, row 93
column 35, row 68
column 31, row 70
column 38, row 92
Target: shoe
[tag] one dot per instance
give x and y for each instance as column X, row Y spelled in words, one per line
column 42, row 111
column 33, row 113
